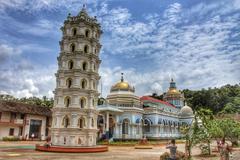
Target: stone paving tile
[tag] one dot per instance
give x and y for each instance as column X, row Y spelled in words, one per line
column 23, row 151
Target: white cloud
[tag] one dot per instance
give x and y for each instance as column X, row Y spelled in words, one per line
column 26, row 83
column 201, row 53
column 19, row 77
column 37, row 5
column 198, row 46
column 7, row 51
column 172, row 13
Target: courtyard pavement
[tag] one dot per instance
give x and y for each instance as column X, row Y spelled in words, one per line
column 25, row 151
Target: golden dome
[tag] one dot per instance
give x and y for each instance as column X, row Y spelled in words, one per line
column 173, row 91
column 122, row 86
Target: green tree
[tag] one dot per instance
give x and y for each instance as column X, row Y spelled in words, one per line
column 6, row 97
column 225, row 128
column 226, row 99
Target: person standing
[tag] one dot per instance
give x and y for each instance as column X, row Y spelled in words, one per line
column 224, row 150
column 173, row 149
column 32, row 136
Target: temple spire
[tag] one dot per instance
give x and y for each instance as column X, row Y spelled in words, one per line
column 172, row 84
column 122, row 77
column 185, row 103
column 83, row 11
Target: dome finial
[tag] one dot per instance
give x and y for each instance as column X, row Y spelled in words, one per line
column 122, row 77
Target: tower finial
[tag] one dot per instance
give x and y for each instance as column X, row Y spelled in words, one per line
column 171, row 79
column 122, row 77
column 84, row 6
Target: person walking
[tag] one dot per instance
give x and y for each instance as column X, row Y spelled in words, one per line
column 173, row 149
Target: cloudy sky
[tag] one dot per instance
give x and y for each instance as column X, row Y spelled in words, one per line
column 197, row 42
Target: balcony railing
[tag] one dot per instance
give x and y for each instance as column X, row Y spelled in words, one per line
column 12, row 121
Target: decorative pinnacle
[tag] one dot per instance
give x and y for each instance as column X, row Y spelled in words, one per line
column 69, row 15
column 84, row 6
column 122, row 77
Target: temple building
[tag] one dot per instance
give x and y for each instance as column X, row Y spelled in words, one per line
column 123, row 115
column 75, row 97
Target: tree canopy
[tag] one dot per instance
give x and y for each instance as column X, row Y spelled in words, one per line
column 44, row 101
column 225, row 99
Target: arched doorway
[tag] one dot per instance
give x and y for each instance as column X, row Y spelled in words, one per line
column 147, row 125
column 125, row 127
column 111, row 127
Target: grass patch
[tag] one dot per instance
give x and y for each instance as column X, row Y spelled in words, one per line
column 134, row 142
column 19, row 147
column 10, row 138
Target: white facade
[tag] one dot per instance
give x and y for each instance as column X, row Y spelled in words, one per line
column 151, row 118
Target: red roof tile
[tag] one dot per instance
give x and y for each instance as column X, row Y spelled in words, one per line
column 147, row 98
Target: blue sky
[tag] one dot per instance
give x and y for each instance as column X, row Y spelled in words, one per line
column 195, row 42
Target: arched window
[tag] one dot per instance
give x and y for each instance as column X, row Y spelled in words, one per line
column 67, row 101
column 86, row 49
column 82, row 102
column 84, row 66
column 64, row 140
column 164, row 122
column 69, row 83
column 55, row 121
column 92, row 122
column 70, row 64
column 73, row 47
column 79, row 141
column 84, row 84
column 87, row 33
column 81, row 123
column 147, row 124
column 74, row 32
column 125, row 125
column 66, row 122
column 95, row 51
column 93, row 102
column 94, row 67
column 94, row 85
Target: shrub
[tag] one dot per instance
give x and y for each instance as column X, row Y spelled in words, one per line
column 10, row 138
column 164, row 156
column 179, row 156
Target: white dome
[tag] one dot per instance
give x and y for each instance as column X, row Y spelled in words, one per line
column 186, row 111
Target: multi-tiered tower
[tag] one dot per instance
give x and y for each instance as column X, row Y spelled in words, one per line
column 74, row 111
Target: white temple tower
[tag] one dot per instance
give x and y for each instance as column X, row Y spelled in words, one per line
column 74, row 112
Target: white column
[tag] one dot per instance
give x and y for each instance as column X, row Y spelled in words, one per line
column 107, row 122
